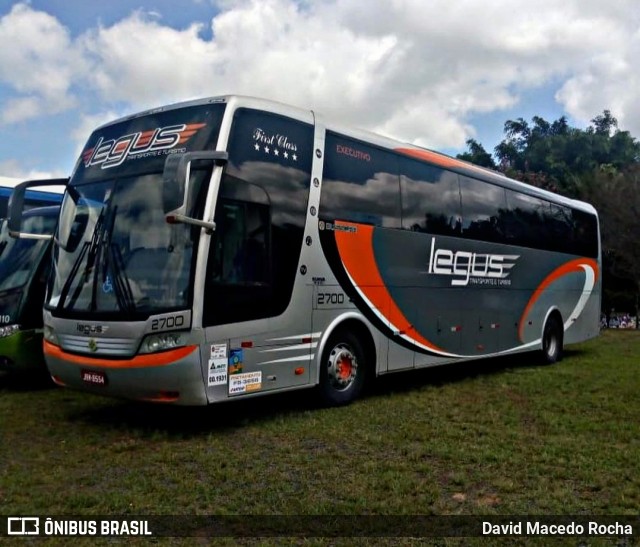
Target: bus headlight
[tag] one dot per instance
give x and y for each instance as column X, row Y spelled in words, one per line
column 161, row 342
column 8, row 330
column 50, row 335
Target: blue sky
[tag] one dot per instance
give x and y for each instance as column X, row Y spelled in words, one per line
column 67, row 66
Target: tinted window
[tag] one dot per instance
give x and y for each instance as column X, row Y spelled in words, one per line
column 360, row 183
column 240, row 247
column 430, row 199
column 483, row 207
column 585, row 234
column 526, row 221
column 559, row 228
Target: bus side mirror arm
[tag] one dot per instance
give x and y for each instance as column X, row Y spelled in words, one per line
column 177, row 171
column 16, row 206
column 176, row 218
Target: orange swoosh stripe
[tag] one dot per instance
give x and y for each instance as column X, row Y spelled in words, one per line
column 139, row 361
column 438, row 159
column 356, row 252
column 568, row 267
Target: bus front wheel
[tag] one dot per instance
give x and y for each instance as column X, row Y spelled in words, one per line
column 342, row 369
column 552, row 339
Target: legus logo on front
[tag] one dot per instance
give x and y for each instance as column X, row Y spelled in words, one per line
column 113, row 152
column 23, row 526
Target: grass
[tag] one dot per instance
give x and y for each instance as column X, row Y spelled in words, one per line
column 495, row 437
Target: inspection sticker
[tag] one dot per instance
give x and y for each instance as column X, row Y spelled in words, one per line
column 218, row 351
column 217, row 372
column 247, row 381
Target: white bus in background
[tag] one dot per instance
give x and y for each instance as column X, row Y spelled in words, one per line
column 231, row 247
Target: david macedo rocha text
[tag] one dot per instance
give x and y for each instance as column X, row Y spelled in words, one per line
column 537, row 528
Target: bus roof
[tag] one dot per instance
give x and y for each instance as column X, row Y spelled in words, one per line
column 410, row 150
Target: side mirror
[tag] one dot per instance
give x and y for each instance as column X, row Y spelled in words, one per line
column 16, row 206
column 176, row 175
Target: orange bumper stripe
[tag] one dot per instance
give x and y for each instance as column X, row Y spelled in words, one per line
column 139, row 361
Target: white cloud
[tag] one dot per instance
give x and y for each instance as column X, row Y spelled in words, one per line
column 12, row 168
column 413, row 70
column 38, row 61
column 143, row 63
column 87, row 123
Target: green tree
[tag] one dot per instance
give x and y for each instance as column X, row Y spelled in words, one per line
column 477, row 154
column 599, row 164
column 616, row 196
column 559, row 156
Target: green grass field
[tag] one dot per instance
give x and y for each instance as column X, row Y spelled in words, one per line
column 505, row 436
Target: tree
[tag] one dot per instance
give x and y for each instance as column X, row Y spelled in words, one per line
column 560, row 155
column 616, row 196
column 599, row 164
column 477, row 154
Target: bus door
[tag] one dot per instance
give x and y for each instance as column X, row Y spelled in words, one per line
column 252, row 345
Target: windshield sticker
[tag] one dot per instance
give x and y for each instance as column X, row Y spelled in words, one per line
column 143, row 144
column 107, row 286
column 275, row 144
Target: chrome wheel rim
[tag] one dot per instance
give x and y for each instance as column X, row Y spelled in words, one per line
column 342, row 367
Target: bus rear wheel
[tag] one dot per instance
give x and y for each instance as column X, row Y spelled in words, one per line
column 552, row 340
column 342, row 369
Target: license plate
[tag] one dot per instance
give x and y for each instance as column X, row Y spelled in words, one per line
column 94, row 377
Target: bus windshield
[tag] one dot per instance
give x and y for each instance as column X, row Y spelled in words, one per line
column 19, row 257
column 115, row 253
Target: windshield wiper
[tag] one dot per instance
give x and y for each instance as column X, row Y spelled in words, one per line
column 121, row 285
column 89, row 249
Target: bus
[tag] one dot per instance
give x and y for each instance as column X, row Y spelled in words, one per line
column 24, row 268
column 37, row 198
column 232, row 247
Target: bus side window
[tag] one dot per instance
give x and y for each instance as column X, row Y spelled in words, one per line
column 483, row 207
column 360, row 184
column 239, row 249
column 430, row 199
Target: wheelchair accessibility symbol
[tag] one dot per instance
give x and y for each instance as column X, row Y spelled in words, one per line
column 107, row 287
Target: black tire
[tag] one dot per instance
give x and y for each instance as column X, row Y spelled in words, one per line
column 552, row 340
column 342, row 369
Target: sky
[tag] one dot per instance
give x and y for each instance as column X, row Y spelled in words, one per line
column 431, row 72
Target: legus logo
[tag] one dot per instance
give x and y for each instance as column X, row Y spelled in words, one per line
column 466, row 267
column 91, row 329
column 114, row 152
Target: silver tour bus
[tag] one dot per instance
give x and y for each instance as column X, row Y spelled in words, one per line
column 231, row 247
